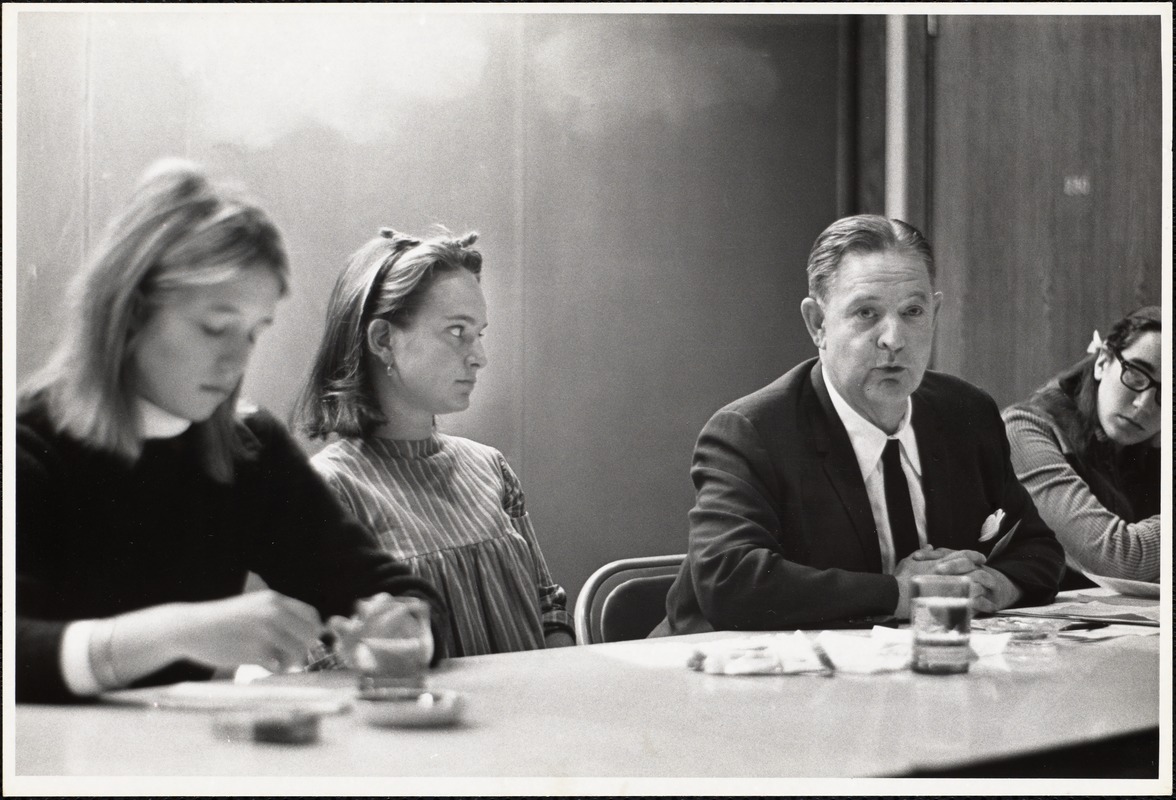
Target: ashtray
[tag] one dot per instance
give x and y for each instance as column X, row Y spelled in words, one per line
column 409, row 708
column 274, row 727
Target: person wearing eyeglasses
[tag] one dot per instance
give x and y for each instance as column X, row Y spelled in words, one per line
column 1087, row 447
column 402, row 345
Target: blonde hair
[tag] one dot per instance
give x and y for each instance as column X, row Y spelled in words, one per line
column 179, row 229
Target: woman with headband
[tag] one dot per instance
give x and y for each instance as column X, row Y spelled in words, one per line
column 403, row 345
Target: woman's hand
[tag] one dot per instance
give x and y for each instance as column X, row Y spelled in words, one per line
column 263, row 627
column 387, row 617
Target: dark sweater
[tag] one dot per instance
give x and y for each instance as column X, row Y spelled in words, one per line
column 97, row 535
column 1103, row 502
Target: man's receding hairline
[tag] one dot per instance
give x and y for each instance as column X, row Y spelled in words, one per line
column 831, row 278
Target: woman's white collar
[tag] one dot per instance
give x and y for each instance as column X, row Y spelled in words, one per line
column 159, row 424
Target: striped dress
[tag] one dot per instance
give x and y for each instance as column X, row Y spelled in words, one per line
column 453, row 509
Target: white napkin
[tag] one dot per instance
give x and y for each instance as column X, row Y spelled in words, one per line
column 989, row 645
column 884, row 650
column 770, row 654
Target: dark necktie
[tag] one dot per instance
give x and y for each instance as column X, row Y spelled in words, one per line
column 903, row 532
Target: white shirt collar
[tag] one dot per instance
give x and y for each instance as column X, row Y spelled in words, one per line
column 869, row 440
column 159, row 424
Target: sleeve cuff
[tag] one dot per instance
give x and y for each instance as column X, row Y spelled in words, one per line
column 557, row 625
column 427, row 643
column 75, row 658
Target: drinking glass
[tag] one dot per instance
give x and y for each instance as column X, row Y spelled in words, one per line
column 941, row 617
column 386, row 645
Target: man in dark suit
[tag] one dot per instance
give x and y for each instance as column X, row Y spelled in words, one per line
column 822, row 494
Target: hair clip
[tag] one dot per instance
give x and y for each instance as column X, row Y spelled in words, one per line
column 400, row 241
column 1096, row 343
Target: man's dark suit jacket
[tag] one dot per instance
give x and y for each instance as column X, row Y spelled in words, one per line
column 782, row 536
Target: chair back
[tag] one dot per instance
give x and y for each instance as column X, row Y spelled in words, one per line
column 625, row 599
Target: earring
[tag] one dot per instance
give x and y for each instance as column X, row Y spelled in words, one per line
column 389, row 369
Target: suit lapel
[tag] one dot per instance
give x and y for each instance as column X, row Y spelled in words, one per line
column 841, row 467
column 937, row 477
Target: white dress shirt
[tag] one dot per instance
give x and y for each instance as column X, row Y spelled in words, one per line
column 868, row 442
column 76, row 670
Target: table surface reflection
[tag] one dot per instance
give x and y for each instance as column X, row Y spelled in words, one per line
column 632, row 709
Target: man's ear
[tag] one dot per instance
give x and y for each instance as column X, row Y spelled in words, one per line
column 936, row 302
column 379, row 339
column 814, row 320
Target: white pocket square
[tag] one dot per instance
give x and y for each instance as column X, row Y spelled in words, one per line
column 991, row 525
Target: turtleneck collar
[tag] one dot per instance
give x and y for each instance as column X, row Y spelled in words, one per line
column 155, row 423
column 409, row 448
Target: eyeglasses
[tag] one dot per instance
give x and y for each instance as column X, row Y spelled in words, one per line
column 1134, row 378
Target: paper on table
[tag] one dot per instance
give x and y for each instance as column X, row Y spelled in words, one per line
column 1110, row 632
column 221, row 695
column 770, row 654
column 884, row 650
column 988, row 645
column 1124, row 586
column 1109, row 609
column 984, row 645
column 248, row 673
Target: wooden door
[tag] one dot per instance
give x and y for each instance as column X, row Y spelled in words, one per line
column 1044, row 187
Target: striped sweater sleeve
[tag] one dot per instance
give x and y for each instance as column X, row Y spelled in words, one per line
column 1096, row 540
column 553, row 600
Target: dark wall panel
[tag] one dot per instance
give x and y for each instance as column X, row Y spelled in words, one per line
column 646, row 186
column 678, row 171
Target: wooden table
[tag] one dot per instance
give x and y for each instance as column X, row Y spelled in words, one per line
column 632, row 709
